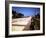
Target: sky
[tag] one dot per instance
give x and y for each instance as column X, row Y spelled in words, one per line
column 27, row 11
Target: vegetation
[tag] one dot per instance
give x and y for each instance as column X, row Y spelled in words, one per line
column 16, row 15
column 35, row 24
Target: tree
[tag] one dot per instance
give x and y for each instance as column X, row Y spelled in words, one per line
column 36, row 22
column 13, row 13
column 20, row 15
column 17, row 15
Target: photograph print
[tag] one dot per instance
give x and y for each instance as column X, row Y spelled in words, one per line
column 25, row 18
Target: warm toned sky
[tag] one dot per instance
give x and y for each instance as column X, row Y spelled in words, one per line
column 26, row 11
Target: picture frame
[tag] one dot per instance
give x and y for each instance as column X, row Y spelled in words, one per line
column 8, row 9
